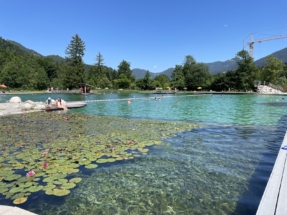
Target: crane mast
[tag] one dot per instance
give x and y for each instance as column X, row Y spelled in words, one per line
column 262, row 40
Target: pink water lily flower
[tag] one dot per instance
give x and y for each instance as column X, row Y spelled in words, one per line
column 58, row 149
column 30, row 174
column 130, row 142
column 45, row 165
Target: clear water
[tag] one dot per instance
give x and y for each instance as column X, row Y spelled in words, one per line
column 220, row 168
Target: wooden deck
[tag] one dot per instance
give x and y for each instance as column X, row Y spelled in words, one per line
column 274, row 199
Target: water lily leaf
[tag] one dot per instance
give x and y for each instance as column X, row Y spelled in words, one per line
column 73, row 165
column 38, row 174
column 111, row 160
column 143, row 150
column 49, row 179
column 12, row 177
column 59, row 192
column 28, row 184
column 68, row 185
column 49, row 192
column 91, row 166
column 61, row 181
column 19, row 201
column 3, row 189
column 102, row 160
column 18, row 195
column 6, row 173
column 75, row 180
column 49, row 187
column 35, row 188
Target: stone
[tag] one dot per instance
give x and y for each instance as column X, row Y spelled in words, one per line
column 15, row 99
column 39, row 107
column 27, row 106
column 30, row 102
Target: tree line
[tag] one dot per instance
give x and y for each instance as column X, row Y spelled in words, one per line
column 21, row 70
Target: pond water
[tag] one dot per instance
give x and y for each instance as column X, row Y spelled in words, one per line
column 220, row 167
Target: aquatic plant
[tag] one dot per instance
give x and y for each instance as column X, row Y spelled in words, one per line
column 52, row 147
column 30, row 174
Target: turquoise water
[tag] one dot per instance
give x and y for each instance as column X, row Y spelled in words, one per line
column 238, row 109
column 221, row 167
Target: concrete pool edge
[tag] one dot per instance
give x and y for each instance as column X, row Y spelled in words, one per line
column 10, row 210
column 274, row 198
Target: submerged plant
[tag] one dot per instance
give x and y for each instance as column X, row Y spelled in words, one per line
column 78, row 140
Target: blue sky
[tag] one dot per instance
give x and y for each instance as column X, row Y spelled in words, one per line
column 150, row 34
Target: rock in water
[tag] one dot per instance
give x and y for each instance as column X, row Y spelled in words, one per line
column 27, row 106
column 15, row 99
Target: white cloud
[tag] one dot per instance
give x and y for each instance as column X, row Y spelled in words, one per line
column 154, row 66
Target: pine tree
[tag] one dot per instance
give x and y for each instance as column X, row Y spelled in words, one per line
column 76, row 73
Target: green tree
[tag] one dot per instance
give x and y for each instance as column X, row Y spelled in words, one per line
column 146, row 82
column 122, row 82
column 163, row 80
column 273, row 67
column 76, row 71
column 177, row 78
column 98, row 73
column 124, row 68
column 246, row 71
column 49, row 66
column 197, row 76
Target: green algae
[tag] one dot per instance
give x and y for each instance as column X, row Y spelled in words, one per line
column 55, row 146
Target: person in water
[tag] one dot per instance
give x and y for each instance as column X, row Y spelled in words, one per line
column 60, row 105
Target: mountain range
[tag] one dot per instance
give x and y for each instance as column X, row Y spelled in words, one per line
column 214, row 67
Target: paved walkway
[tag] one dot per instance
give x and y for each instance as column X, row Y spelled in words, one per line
column 9, row 210
column 274, row 199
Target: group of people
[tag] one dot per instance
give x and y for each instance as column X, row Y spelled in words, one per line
column 59, row 103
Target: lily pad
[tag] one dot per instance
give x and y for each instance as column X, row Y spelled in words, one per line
column 60, row 192
column 19, row 201
column 91, row 166
column 16, row 189
column 68, row 185
column 49, row 192
column 75, row 180
column 12, row 177
column 35, row 188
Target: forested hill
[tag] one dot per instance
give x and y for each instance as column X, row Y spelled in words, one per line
column 29, row 51
column 281, row 54
column 219, row 66
column 22, row 50
column 214, row 67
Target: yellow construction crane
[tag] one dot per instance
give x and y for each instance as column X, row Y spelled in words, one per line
column 261, row 40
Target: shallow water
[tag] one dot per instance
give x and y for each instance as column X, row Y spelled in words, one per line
column 220, row 168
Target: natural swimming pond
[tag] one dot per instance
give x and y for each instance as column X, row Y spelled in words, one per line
column 182, row 154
